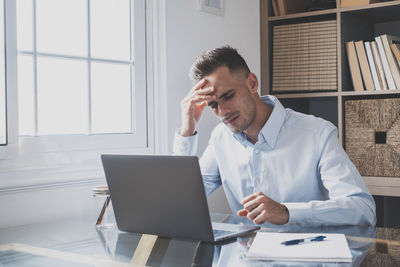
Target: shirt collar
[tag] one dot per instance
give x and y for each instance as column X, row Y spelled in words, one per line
column 269, row 132
column 272, row 127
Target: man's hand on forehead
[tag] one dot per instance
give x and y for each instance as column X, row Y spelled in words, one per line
column 203, row 90
column 193, row 104
column 206, row 87
column 207, row 90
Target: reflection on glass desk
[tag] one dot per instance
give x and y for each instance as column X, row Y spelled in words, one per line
column 77, row 242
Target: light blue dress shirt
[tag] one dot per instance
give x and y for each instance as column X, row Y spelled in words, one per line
column 297, row 161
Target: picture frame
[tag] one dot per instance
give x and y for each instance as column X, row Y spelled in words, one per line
column 216, row 7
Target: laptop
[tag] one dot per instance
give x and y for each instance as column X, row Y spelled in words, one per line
column 163, row 195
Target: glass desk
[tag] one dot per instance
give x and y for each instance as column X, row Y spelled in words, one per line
column 77, row 242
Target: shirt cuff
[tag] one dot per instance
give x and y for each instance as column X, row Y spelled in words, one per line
column 185, row 146
column 298, row 212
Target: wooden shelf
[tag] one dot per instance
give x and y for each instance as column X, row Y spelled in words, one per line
column 353, row 23
column 370, row 6
column 382, row 181
column 334, row 10
column 358, row 93
column 383, row 186
column 333, row 94
column 303, row 14
column 307, row 95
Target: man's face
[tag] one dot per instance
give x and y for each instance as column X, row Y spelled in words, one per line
column 234, row 103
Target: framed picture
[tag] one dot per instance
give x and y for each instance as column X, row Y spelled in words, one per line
column 212, row 6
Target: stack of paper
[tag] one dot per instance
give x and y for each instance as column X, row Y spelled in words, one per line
column 267, row 246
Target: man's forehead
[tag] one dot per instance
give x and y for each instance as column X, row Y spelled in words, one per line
column 219, row 75
column 219, row 89
column 221, row 80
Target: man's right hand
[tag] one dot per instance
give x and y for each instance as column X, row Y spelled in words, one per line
column 193, row 104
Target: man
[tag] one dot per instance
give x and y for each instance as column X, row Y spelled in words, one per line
column 276, row 165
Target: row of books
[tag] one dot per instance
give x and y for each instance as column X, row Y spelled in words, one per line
column 375, row 65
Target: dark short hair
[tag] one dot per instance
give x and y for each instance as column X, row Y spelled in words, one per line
column 209, row 61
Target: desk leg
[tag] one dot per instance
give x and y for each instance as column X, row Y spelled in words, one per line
column 143, row 250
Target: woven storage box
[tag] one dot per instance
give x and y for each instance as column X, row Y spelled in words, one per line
column 373, row 136
column 304, row 57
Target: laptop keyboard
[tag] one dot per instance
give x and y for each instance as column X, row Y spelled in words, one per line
column 218, row 233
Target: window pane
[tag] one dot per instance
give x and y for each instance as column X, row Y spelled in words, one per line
column 62, row 27
column 111, row 98
column 110, row 29
column 26, row 99
column 25, row 25
column 62, row 96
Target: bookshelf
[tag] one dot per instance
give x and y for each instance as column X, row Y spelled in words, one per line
column 353, row 23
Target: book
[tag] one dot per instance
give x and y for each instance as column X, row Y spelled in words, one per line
column 387, row 40
column 354, row 67
column 379, row 66
column 268, row 246
column 364, row 66
column 275, row 7
column 372, row 66
column 385, row 64
column 396, row 51
column 281, row 7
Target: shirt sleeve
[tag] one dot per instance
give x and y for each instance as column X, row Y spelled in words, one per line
column 187, row 146
column 209, row 170
column 349, row 199
column 184, row 146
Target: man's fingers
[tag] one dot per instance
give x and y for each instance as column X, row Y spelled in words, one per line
column 260, row 209
column 242, row 213
column 255, row 212
column 249, row 198
column 260, row 219
column 200, row 98
column 204, row 91
column 202, row 104
column 197, row 99
column 249, row 206
column 198, row 85
column 254, row 200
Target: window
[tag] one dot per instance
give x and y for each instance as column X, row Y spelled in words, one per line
column 75, row 67
column 81, row 83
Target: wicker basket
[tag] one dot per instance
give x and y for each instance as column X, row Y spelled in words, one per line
column 305, row 57
column 373, row 136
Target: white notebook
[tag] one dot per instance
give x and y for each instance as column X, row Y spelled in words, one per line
column 267, row 246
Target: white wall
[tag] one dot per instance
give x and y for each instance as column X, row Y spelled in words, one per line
column 189, row 33
column 35, row 205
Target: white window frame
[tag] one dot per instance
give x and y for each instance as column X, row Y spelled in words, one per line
column 31, row 161
column 3, row 93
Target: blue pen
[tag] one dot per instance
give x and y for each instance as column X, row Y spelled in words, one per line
column 304, row 240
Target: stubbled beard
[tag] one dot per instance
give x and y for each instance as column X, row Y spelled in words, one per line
column 251, row 112
column 237, row 128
